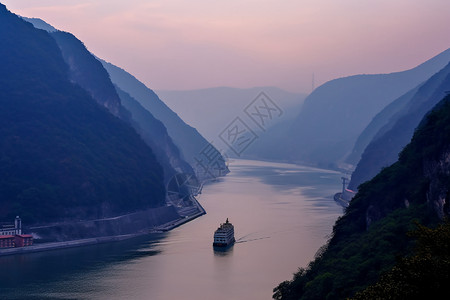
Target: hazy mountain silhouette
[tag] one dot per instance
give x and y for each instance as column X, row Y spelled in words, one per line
column 390, row 139
column 378, row 122
column 211, row 110
column 336, row 113
column 89, row 73
column 40, row 24
column 191, row 144
column 154, row 133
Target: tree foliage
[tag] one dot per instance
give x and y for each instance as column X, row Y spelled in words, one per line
column 424, row 275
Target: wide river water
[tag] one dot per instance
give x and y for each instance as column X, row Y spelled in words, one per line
column 282, row 214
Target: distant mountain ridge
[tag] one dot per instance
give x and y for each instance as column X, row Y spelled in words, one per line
column 210, row 110
column 335, row 114
column 372, row 235
column 40, row 24
column 385, row 146
column 378, row 122
column 154, row 133
column 191, row 143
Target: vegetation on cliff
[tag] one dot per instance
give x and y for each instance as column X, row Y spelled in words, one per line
column 423, row 275
column 372, row 234
column 62, row 155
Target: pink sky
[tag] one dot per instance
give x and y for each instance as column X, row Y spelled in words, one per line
column 174, row 44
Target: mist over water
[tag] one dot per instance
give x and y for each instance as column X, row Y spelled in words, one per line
column 282, row 214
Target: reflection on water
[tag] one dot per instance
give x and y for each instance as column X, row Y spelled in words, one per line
column 228, row 251
column 282, row 214
column 19, row 270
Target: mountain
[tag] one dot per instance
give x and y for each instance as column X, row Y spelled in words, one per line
column 206, row 160
column 154, row 133
column 88, row 72
column 63, row 156
column 40, row 24
column 335, row 114
column 372, row 235
column 211, row 110
column 383, row 150
column 378, row 122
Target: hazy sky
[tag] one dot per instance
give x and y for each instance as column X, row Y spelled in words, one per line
column 174, row 44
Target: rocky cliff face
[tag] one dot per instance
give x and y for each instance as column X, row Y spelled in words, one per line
column 438, row 174
column 429, row 182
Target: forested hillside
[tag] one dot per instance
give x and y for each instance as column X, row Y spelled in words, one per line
column 63, row 156
column 372, row 234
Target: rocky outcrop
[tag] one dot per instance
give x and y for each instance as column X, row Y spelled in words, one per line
column 438, row 173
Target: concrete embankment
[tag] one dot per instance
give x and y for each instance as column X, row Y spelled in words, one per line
column 115, row 226
column 147, row 227
column 171, row 225
column 66, row 244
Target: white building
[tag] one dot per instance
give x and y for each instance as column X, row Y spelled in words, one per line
column 12, row 228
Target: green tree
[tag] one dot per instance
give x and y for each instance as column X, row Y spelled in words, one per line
column 424, row 275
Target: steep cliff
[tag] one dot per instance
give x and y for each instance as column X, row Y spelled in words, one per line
column 88, row 72
column 397, row 131
column 194, row 148
column 62, row 155
column 154, row 133
column 371, row 234
column 177, row 146
column 380, row 121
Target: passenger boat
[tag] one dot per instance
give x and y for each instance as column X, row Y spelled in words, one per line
column 224, row 235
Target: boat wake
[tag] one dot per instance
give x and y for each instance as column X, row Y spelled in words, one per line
column 243, row 237
column 245, row 241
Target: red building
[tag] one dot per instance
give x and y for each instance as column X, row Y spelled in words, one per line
column 23, row 240
column 11, row 235
column 7, row 241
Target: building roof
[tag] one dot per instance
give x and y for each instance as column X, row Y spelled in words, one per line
column 24, row 235
column 6, row 236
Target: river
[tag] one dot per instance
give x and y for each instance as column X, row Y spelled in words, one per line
column 282, row 214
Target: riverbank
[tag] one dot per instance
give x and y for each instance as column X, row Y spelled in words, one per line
column 105, row 239
column 288, row 205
